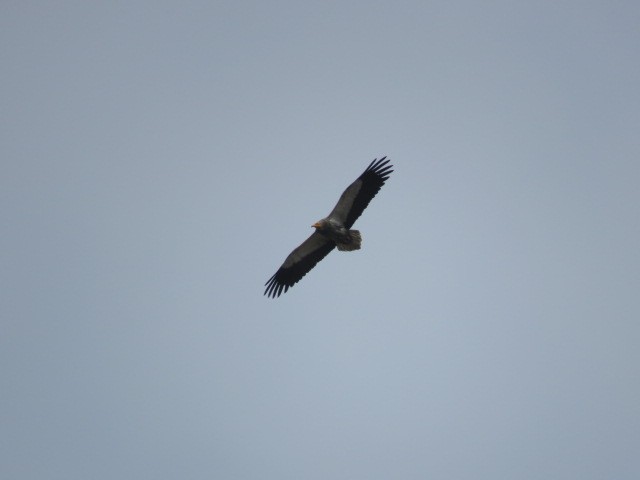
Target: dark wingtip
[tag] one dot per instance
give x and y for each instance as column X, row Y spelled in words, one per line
column 381, row 168
column 272, row 285
column 275, row 287
column 376, row 165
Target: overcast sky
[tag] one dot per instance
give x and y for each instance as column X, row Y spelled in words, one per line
column 161, row 159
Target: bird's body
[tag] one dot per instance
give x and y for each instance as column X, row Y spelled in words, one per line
column 335, row 231
column 332, row 231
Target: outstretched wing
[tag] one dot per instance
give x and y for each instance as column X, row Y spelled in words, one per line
column 357, row 196
column 298, row 263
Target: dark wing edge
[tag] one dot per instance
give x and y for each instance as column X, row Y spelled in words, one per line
column 298, row 264
column 359, row 194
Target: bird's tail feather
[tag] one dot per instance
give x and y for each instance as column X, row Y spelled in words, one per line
column 354, row 243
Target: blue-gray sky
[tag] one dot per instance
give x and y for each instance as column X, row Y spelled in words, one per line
column 161, row 159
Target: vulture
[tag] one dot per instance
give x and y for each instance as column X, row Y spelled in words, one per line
column 332, row 231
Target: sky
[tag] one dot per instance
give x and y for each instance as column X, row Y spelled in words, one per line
column 161, row 159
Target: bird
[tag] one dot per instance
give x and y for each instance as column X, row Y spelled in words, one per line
column 332, row 231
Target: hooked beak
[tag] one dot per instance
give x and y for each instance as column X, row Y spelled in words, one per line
column 316, row 225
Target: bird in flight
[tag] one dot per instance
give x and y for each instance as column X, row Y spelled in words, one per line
column 332, row 231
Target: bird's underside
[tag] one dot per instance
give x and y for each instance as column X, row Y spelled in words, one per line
column 332, row 231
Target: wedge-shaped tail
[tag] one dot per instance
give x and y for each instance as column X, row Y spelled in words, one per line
column 354, row 243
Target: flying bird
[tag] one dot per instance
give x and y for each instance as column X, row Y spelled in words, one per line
column 332, row 231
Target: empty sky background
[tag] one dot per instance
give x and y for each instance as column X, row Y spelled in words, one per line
column 161, row 159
